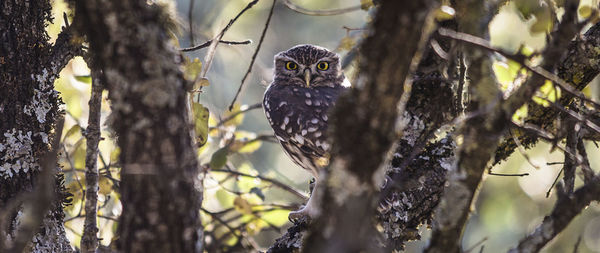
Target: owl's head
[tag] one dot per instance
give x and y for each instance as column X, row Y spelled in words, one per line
column 308, row 66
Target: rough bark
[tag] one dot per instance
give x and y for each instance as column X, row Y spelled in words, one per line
column 89, row 239
column 406, row 203
column 481, row 136
column 29, row 64
column 368, row 114
column 140, row 68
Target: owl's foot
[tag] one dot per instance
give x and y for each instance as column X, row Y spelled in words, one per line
column 299, row 216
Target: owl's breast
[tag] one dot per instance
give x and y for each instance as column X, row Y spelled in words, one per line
column 298, row 116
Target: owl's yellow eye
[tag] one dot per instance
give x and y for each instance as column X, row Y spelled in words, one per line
column 291, row 65
column 323, row 65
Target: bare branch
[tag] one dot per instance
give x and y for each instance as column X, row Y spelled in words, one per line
column 208, row 42
column 565, row 209
column 262, row 38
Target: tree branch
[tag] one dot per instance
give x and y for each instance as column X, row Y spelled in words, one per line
column 565, row 209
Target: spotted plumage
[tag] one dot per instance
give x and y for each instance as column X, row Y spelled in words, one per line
column 308, row 79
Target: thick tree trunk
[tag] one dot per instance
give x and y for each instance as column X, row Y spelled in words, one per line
column 28, row 112
column 159, row 178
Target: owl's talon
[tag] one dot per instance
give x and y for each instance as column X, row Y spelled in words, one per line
column 299, row 216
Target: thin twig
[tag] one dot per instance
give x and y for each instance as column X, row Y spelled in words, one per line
column 214, row 42
column 262, row 38
column 270, row 180
column 190, row 21
column 235, row 114
column 331, row 12
column 522, row 149
column 208, row 42
column 554, row 183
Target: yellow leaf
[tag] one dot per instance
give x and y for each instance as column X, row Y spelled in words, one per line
column 201, row 115
column 444, row 13
column 237, row 120
column 346, row 44
column 105, row 185
column 366, row 4
column 191, row 68
column 245, row 142
column 585, row 11
column 520, row 114
column 549, row 92
column 242, row 205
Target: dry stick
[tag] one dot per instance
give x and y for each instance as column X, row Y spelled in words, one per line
column 89, row 239
column 208, row 42
column 262, row 38
column 190, row 21
column 233, row 115
column 331, row 12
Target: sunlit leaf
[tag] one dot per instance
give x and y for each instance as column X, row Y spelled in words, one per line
column 276, row 217
column 237, row 120
column 346, row 44
column 242, row 205
column 544, row 22
column 192, row 68
column 245, row 142
column 443, row 13
column 527, row 7
column 201, row 115
column 84, row 79
column 105, row 185
column 225, row 198
column 366, row 4
column 585, row 11
column 114, row 154
column 219, row 158
column 548, row 91
column 520, row 114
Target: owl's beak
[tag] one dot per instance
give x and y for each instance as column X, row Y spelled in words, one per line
column 307, row 77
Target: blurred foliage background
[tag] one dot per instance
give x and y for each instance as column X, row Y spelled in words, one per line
column 252, row 185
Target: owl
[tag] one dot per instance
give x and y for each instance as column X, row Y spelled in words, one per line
column 308, row 80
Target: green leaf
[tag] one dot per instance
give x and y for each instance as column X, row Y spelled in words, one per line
column 544, row 22
column 245, row 142
column 366, row 4
column 192, row 68
column 276, row 217
column 219, row 158
column 521, row 114
column 548, row 91
column 201, row 114
column 84, row 79
column 238, row 119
